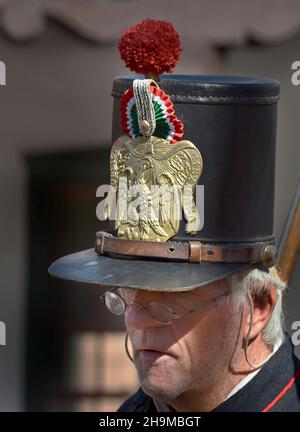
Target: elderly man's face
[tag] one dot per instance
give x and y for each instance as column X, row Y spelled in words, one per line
column 193, row 352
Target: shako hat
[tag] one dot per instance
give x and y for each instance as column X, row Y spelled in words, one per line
column 192, row 174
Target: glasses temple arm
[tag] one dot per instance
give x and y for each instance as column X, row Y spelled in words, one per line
column 210, row 302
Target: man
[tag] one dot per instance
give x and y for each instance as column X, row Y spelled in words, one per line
column 189, row 256
column 230, row 355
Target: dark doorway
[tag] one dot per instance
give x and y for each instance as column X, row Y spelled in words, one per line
column 73, row 346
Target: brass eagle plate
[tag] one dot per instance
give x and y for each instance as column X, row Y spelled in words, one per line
column 154, row 180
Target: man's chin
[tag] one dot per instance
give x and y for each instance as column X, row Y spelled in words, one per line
column 156, row 393
column 158, row 390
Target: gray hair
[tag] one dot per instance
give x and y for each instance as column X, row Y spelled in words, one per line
column 256, row 281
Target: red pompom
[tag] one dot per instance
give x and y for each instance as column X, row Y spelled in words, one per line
column 150, row 47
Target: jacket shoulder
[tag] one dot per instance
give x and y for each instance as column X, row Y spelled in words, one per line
column 138, row 402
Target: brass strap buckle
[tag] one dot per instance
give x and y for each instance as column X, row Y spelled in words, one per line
column 100, row 236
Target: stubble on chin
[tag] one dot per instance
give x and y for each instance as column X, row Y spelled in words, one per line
column 164, row 385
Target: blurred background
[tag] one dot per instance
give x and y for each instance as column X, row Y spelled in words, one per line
column 63, row 351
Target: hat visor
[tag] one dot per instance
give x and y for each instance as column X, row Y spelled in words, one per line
column 114, row 271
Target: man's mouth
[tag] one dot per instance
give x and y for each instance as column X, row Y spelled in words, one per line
column 152, row 353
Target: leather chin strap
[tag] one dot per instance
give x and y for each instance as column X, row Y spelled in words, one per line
column 190, row 251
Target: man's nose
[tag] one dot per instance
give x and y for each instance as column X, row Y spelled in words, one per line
column 137, row 317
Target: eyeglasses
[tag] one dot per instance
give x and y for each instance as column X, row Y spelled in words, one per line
column 161, row 313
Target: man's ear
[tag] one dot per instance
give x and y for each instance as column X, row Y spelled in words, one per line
column 263, row 306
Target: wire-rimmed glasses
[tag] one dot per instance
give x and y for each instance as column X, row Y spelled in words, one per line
column 160, row 312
